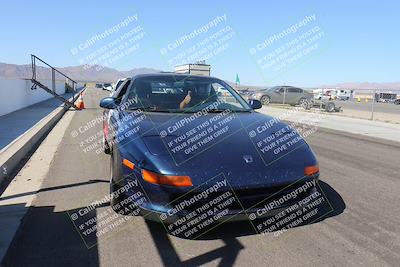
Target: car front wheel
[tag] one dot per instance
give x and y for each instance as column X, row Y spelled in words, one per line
column 116, row 176
column 120, row 202
column 106, row 147
column 265, row 100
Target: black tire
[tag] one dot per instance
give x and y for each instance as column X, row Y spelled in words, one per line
column 106, row 147
column 120, row 203
column 330, row 106
column 265, row 100
column 116, row 179
column 303, row 102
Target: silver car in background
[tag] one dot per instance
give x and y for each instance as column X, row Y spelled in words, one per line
column 284, row 95
column 107, row 87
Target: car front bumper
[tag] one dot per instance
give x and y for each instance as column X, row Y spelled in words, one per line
column 153, row 213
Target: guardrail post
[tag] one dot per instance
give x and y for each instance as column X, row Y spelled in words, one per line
column 372, row 105
column 53, row 80
column 33, row 67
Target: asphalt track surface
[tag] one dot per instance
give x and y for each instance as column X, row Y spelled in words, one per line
column 367, row 106
column 388, row 108
column 360, row 178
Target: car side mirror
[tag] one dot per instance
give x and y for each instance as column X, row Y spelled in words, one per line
column 255, row 104
column 109, row 103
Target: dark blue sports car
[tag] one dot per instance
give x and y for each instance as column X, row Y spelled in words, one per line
column 189, row 151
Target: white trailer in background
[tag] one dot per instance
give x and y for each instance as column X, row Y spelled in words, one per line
column 328, row 94
column 344, row 94
column 194, row 68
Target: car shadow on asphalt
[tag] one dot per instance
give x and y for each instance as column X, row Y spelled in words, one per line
column 334, row 205
column 169, row 256
column 229, row 232
column 44, row 238
column 48, row 238
column 93, row 181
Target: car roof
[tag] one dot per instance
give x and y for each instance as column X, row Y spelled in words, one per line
column 171, row 74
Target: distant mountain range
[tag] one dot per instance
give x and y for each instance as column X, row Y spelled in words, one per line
column 94, row 73
column 97, row 73
column 364, row 85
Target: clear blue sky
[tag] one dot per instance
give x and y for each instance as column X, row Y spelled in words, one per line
column 360, row 40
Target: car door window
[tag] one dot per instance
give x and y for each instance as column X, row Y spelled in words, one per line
column 123, row 90
column 293, row 90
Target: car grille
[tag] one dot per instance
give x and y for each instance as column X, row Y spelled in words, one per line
column 248, row 198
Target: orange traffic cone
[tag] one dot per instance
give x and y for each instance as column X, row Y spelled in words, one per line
column 80, row 104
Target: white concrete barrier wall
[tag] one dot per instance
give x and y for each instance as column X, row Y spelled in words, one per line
column 16, row 94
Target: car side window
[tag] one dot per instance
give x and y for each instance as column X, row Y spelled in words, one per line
column 293, row 90
column 123, row 91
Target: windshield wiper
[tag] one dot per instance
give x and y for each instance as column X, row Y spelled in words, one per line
column 149, row 108
column 218, row 110
column 242, row 110
column 143, row 108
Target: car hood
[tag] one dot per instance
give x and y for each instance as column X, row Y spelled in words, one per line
column 234, row 151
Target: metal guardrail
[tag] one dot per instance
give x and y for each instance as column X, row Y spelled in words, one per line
column 53, row 70
column 52, row 91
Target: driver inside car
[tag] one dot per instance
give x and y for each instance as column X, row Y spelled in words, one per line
column 185, row 102
column 198, row 96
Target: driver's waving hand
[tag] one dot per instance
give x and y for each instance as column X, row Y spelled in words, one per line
column 186, row 100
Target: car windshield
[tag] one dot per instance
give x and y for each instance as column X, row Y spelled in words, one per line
column 107, row 84
column 183, row 94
